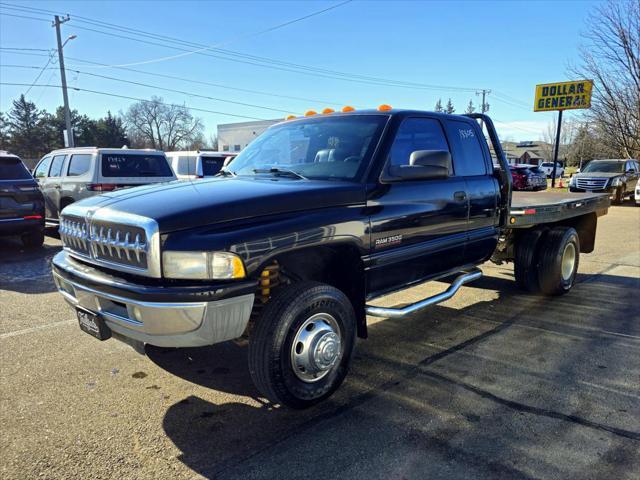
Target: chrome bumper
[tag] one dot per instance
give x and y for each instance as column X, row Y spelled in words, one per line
column 189, row 324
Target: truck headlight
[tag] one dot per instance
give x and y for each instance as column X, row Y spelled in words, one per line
column 616, row 182
column 202, row 265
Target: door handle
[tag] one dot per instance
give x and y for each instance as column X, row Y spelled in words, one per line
column 460, row 196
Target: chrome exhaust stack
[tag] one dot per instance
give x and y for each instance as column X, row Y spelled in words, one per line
column 462, row 279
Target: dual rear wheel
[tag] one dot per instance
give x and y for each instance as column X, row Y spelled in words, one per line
column 546, row 260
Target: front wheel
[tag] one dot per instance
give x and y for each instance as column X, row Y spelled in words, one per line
column 301, row 347
column 619, row 195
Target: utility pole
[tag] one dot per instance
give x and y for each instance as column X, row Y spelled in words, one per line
column 484, row 106
column 63, row 78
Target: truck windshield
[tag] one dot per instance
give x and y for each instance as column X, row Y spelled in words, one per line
column 604, row 167
column 316, row 148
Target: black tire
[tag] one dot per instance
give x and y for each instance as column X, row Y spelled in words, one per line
column 271, row 343
column 552, row 277
column 33, row 239
column 618, row 198
column 525, row 266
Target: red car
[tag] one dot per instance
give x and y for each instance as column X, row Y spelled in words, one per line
column 528, row 177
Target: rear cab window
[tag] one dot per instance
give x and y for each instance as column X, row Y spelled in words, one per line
column 12, row 168
column 79, row 164
column 466, row 150
column 135, row 165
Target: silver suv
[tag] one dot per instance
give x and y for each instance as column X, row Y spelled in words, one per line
column 71, row 174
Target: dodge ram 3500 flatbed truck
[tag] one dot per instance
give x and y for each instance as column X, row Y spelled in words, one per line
column 316, row 217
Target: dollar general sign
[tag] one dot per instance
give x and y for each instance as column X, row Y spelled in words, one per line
column 563, row 96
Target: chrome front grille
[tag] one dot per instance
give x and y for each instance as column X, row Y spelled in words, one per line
column 74, row 234
column 113, row 239
column 591, row 183
column 122, row 244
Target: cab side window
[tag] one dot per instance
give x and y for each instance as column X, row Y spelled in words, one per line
column 56, row 166
column 416, row 134
column 79, row 164
column 43, row 168
column 468, row 157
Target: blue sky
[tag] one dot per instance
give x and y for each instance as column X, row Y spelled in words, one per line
column 507, row 47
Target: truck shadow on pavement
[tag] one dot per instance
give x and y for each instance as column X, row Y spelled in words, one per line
column 26, row 270
column 398, row 377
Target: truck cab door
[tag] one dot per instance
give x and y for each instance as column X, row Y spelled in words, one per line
column 52, row 185
column 472, row 161
column 418, row 227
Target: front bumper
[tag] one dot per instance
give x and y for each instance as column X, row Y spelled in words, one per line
column 609, row 190
column 166, row 316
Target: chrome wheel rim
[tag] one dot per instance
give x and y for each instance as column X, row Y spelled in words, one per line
column 568, row 261
column 316, row 347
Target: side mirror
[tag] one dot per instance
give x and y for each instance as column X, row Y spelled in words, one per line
column 424, row 165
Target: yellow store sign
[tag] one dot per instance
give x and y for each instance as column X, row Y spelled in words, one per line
column 563, row 96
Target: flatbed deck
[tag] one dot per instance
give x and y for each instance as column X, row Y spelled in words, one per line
column 535, row 208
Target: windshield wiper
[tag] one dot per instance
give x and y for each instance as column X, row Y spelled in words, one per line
column 280, row 171
column 225, row 173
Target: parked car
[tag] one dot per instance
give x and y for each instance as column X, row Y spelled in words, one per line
column 71, row 174
column 636, row 195
column 528, row 177
column 547, row 169
column 316, row 218
column 616, row 177
column 191, row 165
column 21, row 202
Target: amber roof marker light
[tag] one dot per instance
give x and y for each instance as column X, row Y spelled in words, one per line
column 290, row 117
column 327, row 111
column 384, row 107
column 310, row 113
column 348, row 109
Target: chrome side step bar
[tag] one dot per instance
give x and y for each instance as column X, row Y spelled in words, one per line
column 465, row 277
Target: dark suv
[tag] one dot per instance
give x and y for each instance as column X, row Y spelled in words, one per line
column 21, row 202
column 616, row 177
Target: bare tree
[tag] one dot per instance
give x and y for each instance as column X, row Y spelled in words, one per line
column 163, row 126
column 470, row 108
column 611, row 57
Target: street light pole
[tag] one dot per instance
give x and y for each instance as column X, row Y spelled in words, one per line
column 63, row 78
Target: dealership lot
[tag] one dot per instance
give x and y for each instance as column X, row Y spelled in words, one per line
column 491, row 384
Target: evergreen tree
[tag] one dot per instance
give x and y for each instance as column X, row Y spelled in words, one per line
column 110, row 132
column 25, row 128
column 470, row 108
column 4, row 133
column 438, row 107
column 449, row 108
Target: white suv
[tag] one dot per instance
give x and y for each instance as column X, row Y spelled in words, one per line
column 71, row 174
column 547, row 168
column 190, row 165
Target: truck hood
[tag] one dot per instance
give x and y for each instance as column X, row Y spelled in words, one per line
column 181, row 205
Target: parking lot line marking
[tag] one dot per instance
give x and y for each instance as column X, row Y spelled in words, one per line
column 35, row 329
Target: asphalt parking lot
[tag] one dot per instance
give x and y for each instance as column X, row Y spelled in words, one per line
column 491, row 384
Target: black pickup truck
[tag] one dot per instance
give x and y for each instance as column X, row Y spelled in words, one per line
column 314, row 219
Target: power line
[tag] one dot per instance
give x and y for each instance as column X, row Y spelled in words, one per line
column 126, row 97
column 262, row 61
column 156, row 87
column 39, row 74
column 24, row 16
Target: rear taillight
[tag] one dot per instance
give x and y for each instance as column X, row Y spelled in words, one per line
column 101, row 187
column 32, row 217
